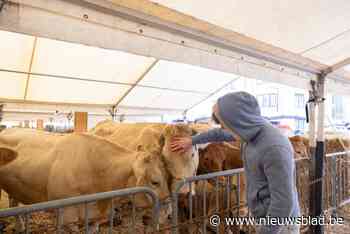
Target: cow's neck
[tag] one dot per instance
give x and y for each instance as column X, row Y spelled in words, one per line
column 118, row 171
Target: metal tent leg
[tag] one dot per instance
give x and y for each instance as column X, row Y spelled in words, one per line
column 317, row 154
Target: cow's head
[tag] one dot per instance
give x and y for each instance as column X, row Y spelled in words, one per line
column 150, row 171
column 211, row 159
column 300, row 146
column 104, row 128
column 179, row 165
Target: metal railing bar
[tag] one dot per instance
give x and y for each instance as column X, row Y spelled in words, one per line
column 174, row 218
column 344, row 153
column 205, row 208
column 133, row 213
column 228, row 195
column 238, row 193
column 26, row 218
column 59, row 220
column 111, row 217
column 217, row 200
column 86, row 217
column 190, row 205
column 207, row 176
column 79, row 200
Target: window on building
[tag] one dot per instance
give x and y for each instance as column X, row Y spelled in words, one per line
column 268, row 100
column 299, row 100
column 337, row 107
column 299, row 124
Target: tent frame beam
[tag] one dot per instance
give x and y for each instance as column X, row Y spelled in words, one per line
column 212, row 94
column 142, row 76
column 128, row 11
column 148, row 29
column 65, row 105
column 337, row 66
column 100, row 81
column 30, row 68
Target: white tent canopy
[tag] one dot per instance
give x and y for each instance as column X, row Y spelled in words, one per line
column 317, row 29
column 150, row 58
column 34, row 69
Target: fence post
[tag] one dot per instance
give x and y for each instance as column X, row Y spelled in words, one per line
column 334, row 182
column 174, row 216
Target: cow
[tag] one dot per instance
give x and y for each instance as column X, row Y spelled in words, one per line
column 77, row 164
column 157, row 136
column 334, row 144
column 218, row 157
column 300, row 146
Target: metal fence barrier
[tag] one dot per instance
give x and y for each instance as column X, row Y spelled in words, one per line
column 223, row 189
column 338, row 164
column 215, row 193
column 59, row 205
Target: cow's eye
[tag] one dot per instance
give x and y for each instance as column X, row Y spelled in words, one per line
column 155, row 183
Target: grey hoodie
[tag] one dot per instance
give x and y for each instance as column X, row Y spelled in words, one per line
column 267, row 157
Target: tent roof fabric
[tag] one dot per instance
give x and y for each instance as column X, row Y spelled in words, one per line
column 319, row 30
column 45, row 70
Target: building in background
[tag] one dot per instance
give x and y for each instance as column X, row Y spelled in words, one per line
column 283, row 105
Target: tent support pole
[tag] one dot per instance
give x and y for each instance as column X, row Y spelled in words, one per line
column 319, row 153
column 317, row 149
column 317, row 95
column 312, row 143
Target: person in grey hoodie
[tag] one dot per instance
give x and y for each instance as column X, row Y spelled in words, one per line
column 267, row 158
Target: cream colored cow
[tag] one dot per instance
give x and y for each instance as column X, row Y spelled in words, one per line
column 74, row 165
column 155, row 137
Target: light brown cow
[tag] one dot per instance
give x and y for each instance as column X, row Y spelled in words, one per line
column 157, row 137
column 39, row 143
column 221, row 156
column 300, row 146
column 78, row 164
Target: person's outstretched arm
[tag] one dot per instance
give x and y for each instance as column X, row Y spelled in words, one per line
column 213, row 135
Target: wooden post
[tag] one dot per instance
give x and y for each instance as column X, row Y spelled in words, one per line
column 80, row 121
column 26, row 123
column 40, row 124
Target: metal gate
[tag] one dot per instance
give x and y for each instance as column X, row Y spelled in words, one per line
column 215, row 195
column 58, row 207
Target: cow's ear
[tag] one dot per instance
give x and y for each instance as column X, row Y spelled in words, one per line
column 7, row 155
column 161, row 141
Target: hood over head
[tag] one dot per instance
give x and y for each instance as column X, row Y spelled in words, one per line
column 241, row 113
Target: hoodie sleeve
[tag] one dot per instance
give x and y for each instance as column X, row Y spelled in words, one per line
column 213, row 135
column 278, row 165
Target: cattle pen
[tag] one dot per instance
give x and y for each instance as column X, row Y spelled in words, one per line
column 93, row 92
column 194, row 213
